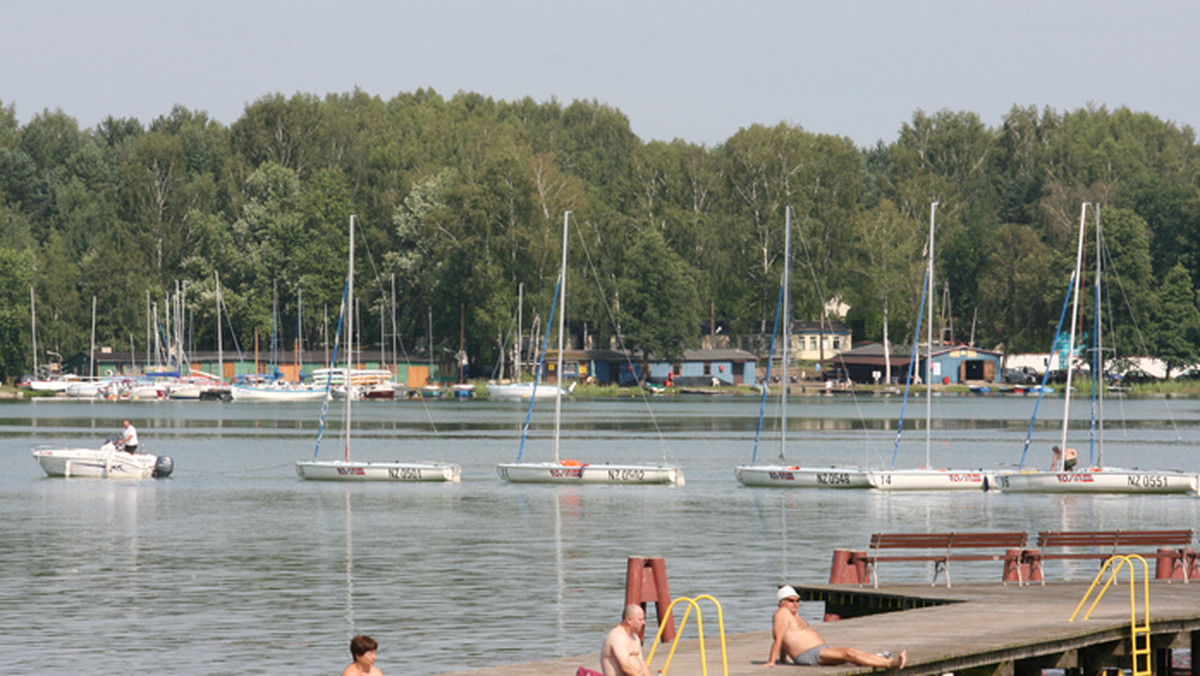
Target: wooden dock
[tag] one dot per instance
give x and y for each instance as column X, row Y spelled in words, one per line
column 976, row 629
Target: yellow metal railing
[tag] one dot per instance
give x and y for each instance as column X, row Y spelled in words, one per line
column 692, row 603
column 1139, row 634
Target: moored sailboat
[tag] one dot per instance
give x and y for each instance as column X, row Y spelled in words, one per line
column 781, row 474
column 1094, row 477
column 926, row 478
column 573, row 471
column 352, row 470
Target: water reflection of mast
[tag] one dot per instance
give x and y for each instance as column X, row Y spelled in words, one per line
column 349, row 565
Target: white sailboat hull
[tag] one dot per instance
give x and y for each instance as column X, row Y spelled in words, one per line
column 340, row 470
column 103, row 463
column 931, row 480
column 792, row 476
column 523, row 392
column 559, row 473
column 242, row 393
column 1098, row 480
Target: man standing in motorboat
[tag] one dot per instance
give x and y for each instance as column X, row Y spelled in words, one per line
column 129, row 443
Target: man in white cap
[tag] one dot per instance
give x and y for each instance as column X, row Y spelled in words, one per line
column 796, row 641
column 622, row 651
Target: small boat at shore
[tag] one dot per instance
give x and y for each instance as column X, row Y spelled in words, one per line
column 106, row 462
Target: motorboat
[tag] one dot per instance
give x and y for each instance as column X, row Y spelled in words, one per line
column 107, row 462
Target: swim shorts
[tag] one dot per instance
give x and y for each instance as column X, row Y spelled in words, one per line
column 810, row 657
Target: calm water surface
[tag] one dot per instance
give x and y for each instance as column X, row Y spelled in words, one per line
column 234, row 563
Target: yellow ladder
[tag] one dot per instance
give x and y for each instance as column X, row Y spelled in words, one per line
column 1139, row 634
column 692, row 603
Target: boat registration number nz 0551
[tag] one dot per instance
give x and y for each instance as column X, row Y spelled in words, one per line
column 1147, row 480
column 404, row 473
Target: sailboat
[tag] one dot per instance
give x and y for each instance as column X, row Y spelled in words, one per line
column 926, row 478
column 1096, row 478
column 347, row 469
column 781, row 474
column 520, row 391
column 573, row 471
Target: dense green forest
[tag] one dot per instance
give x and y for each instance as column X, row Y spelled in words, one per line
column 461, row 201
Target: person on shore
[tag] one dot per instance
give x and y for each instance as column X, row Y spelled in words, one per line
column 622, row 651
column 129, row 442
column 795, row 640
column 362, row 649
column 1069, row 459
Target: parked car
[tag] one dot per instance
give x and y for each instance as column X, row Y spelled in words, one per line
column 1021, row 376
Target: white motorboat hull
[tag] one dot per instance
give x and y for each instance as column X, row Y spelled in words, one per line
column 523, row 392
column 794, row 476
column 147, row 393
column 340, row 470
column 931, row 480
column 103, row 463
column 83, row 390
column 559, row 473
column 1097, row 480
column 241, row 393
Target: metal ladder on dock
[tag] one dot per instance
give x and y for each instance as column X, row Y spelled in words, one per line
column 692, row 603
column 1139, row 634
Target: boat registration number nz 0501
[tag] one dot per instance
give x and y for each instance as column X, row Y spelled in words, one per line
column 404, row 473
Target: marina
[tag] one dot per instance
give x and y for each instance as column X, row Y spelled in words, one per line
column 233, row 560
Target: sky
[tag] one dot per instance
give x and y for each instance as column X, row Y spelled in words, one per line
column 697, row 70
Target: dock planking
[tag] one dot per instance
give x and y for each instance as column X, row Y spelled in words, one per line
column 989, row 627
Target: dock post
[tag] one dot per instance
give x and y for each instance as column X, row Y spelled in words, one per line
column 1031, row 562
column 646, row 580
column 1175, row 564
column 1018, row 567
column 842, row 571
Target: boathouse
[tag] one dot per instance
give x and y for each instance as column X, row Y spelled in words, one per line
column 950, row 364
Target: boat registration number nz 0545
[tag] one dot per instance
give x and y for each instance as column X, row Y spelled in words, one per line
column 404, row 473
column 833, row 478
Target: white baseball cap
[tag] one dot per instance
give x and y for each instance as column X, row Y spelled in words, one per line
column 786, row 592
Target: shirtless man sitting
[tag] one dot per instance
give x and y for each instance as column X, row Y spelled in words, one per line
column 795, row 640
column 622, row 651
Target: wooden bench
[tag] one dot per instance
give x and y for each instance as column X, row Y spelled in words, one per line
column 1174, row 556
column 944, row 548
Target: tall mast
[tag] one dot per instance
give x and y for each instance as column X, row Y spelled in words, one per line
column 220, row 345
column 1077, row 282
column 349, row 336
column 1098, row 368
column 562, row 314
column 33, row 329
column 929, row 341
column 787, row 328
column 520, row 330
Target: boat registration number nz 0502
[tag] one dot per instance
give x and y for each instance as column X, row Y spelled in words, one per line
column 626, row 474
column 404, row 473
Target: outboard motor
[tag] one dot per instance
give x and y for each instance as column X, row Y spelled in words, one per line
column 163, row 467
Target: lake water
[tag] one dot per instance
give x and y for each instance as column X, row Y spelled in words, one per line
column 235, row 564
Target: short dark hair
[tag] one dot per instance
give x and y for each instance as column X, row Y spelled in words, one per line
column 361, row 645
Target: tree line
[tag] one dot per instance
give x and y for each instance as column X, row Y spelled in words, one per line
column 460, row 202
